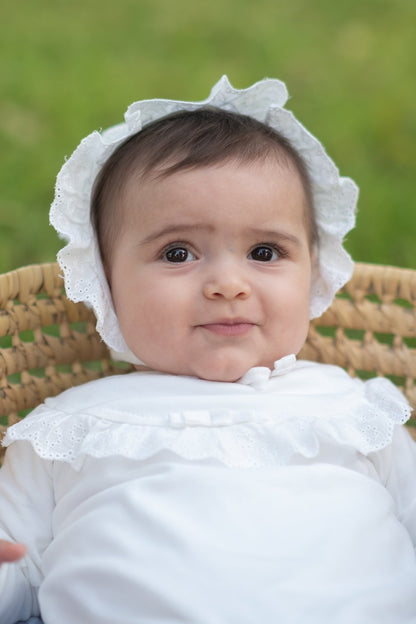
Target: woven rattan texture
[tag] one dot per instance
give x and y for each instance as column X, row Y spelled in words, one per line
column 370, row 329
column 48, row 343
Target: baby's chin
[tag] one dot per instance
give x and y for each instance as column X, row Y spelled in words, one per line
column 226, row 367
column 224, row 377
column 222, row 371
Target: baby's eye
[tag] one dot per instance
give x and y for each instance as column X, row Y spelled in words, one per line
column 178, row 254
column 264, row 253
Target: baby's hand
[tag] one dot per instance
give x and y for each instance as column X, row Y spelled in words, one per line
column 11, row 552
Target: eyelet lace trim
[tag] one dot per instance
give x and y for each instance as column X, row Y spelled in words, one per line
column 237, row 438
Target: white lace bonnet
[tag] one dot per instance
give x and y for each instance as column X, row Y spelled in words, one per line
column 335, row 199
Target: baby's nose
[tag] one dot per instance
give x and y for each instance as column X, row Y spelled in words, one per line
column 227, row 282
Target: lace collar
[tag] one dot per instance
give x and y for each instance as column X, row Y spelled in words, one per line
column 265, row 419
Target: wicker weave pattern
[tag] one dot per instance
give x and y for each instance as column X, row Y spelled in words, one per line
column 370, row 329
column 48, row 343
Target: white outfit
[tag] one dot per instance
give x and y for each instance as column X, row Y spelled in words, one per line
column 147, row 498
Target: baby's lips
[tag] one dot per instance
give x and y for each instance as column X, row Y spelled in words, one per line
column 228, row 327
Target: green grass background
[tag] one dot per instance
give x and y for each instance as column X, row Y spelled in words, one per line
column 68, row 67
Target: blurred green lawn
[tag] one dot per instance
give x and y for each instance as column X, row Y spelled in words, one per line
column 68, row 67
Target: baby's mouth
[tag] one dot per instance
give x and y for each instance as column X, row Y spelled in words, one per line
column 236, row 327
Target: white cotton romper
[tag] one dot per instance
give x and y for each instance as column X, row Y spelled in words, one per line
column 148, row 498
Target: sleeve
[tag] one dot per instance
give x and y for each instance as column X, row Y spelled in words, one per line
column 26, row 506
column 396, row 465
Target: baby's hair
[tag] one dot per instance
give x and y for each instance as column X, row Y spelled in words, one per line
column 186, row 140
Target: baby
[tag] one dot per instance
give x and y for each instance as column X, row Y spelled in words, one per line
column 228, row 482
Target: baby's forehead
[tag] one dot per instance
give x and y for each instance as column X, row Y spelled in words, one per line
column 172, row 185
column 233, row 200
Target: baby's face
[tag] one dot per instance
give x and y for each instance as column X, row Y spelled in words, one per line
column 211, row 272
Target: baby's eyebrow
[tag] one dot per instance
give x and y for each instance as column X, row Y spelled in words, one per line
column 262, row 235
column 271, row 235
column 174, row 229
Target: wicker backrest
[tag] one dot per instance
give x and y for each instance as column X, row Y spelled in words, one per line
column 48, row 343
column 370, row 328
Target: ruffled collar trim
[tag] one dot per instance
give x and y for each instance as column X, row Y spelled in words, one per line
column 264, row 419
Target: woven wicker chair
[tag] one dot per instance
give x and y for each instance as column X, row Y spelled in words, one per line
column 48, row 343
